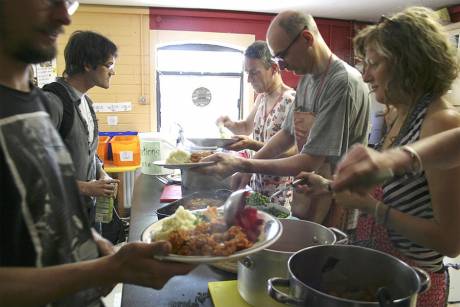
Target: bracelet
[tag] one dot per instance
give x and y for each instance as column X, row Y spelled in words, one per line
column 376, row 210
column 386, row 215
column 416, row 162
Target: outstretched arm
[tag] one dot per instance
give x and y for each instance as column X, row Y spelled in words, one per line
column 133, row 263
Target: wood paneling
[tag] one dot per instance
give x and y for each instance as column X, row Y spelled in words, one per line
column 128, row 28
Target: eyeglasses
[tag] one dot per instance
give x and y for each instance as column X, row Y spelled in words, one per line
column 109, row 66
column 70, row 5
column 280, row 56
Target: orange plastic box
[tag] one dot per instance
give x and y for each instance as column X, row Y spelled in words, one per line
column 126, row 150
column 102, row 148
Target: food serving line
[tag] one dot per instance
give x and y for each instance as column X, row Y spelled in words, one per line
column 319, row 273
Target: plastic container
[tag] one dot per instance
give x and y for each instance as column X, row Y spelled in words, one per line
column 111, row 134
column 125, row 150
column 154, row 147
column 102, row 148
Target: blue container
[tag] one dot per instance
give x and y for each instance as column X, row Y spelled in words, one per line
column 112, row 134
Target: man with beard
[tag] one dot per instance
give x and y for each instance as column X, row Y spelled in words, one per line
column 49, row 255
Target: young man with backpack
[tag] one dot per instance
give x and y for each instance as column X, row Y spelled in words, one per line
column 89, row 62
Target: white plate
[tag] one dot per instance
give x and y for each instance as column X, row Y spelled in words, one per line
column 271, row 231
column 182, row 165
column 210, row 142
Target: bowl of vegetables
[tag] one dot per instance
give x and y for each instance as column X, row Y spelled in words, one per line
column 262, row 203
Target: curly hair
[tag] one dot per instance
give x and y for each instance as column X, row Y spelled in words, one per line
column 419, row 56
column 259, row 50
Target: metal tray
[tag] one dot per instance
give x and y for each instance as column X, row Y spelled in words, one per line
column 213, row 199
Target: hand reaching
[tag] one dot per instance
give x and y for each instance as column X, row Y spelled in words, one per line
column 225, row 165
column 243, row 142
column 134, row 263
column 362, row 168
column 313, row 184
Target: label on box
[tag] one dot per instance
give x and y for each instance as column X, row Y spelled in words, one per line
column 126, row 156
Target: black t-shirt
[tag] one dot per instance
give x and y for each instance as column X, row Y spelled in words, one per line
column 42, row 222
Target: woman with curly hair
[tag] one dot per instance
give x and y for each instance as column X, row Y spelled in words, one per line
column 410, row 65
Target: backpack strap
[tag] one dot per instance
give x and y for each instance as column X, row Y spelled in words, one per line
column 67, row 104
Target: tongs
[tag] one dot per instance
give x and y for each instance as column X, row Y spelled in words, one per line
column 286, row 187
column 326, row 184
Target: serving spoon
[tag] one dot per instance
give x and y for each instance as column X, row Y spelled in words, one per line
column 234, row 204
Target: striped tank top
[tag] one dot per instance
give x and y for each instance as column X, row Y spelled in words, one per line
column 410, row 194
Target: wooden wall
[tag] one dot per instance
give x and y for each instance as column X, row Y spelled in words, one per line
column 131, row 27
column 128, row 27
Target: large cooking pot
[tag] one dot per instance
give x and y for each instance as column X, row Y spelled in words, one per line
column 318, row 275
column 256, row 269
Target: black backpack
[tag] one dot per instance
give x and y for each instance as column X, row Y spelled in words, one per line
column 67, row 104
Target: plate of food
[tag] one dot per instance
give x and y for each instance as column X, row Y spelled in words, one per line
column 210, row 142
column 182, row 159
column 201, row 236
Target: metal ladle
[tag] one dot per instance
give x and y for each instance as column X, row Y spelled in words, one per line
column 234, row 204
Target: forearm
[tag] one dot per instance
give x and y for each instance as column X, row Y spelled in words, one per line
column 290, row 166
column 424, row 232
column 256, row 145
column 440, row 151
column 239, row 127
column 32, row 286
column 290, row 152
column 83, row 187
column 102, row 174
column 276, row 146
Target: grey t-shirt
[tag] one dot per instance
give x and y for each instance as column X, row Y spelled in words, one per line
column 341, row 110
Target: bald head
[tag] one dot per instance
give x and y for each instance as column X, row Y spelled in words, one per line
column 295, row 42
column 290, row 23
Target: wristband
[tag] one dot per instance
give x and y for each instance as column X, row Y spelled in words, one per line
column 386, row 215
column 416, row 166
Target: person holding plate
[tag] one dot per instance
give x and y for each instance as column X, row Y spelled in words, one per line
column 49, row 255
column 266, row 118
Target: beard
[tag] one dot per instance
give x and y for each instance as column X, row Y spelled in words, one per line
column 24, row 49
column 33, row 55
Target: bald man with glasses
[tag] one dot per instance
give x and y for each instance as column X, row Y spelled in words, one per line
column 330, row 112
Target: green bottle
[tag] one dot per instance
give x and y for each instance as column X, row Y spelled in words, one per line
column 104, row 209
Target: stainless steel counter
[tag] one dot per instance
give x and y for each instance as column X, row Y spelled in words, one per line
column 181, row 291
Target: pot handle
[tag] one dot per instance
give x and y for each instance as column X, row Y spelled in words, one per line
column 425, row 280
column 279, row 296
column 247, row 262
column 340, row 233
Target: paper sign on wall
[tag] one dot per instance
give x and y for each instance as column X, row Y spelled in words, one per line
column 45, row 72
column 113, row 107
